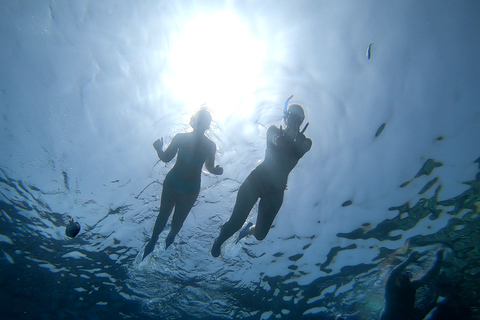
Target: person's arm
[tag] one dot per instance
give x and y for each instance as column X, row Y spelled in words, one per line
column 210, row 162
column 170, row 152
column 299, row 147
column 433, row 272
column 397, row 271
column 304, row 144
column 275, row 136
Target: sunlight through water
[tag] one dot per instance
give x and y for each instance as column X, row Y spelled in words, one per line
column 390, row 92
column 215, row 61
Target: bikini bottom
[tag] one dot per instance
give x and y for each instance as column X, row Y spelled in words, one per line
column 261, row 182
column 179, row 185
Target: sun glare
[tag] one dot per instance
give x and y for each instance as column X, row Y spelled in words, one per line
column 215, row 61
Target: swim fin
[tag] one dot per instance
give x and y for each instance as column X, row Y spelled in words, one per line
column 244, row 232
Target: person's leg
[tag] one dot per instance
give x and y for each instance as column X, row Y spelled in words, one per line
column 182, row 209
column 246, row 198
column 167, row 202
column 267, row 211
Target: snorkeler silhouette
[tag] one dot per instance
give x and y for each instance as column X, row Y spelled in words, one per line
column 182, row 184
column 400, row 290
column 268, row 181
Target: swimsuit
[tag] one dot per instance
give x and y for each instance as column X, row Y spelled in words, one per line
column 179, row 185
column 259, row 181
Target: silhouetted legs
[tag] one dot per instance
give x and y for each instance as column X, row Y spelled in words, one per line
column 245, row 201
column 267, row 211
column 183, row 203
column 247, row 196
column 182, row 209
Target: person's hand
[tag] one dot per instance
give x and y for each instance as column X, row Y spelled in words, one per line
column 158, row 144
column 218, row 170
column 414, row 256
column 440, row 254
column 281, row 139
column 300, row 138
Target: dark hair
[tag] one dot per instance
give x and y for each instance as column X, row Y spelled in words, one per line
column 201, row 120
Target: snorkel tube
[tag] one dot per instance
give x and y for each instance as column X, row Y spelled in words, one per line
column 285, row 109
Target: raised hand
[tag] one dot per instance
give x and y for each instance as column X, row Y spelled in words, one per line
column 300, row 138
column 281, row 139
column 158, row 144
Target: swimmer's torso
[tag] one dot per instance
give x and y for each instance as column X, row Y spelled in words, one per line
column 193, row 150
column 279, row 161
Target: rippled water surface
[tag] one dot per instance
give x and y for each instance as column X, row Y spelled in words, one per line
column 391, row 95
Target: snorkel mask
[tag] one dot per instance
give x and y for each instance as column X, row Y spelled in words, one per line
column 294, row 110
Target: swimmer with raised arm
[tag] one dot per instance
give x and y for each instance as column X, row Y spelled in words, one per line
column 182, row 184
column 400, row 290
column 268, row 181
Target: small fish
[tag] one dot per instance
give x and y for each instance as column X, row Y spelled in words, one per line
column 380, row 129
column 72, row 229
column 403, row 185
column 347, row 203
column 369, row 51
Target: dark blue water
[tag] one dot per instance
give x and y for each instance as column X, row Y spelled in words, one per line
column 40, row 279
